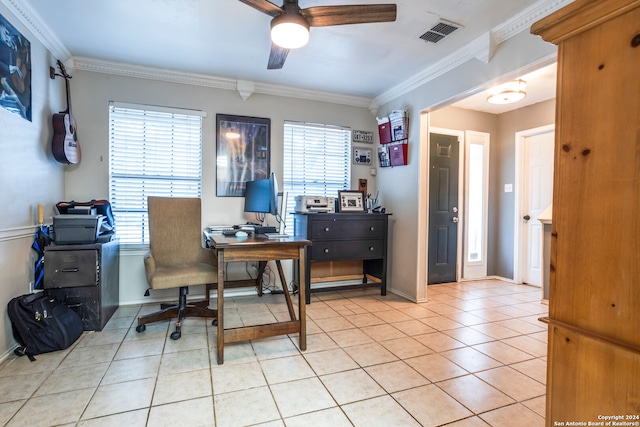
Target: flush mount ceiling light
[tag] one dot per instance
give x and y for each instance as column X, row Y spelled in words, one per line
column 507, row 93
column 289, row 30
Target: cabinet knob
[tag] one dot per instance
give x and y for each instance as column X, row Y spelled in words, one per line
column 326, row 229
column 326, row 250
column 371, row 248
column 372, row 228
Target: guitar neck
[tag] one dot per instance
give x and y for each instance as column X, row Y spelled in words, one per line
column 66, row 82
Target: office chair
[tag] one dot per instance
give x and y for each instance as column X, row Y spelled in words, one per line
column 176, row 259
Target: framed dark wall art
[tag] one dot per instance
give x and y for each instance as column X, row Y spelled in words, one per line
column 242, row 152
column 15, row 70
column 351, row 201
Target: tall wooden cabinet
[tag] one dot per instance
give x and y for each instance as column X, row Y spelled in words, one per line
column 594, row 303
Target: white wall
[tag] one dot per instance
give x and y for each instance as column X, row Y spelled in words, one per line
column 28, row 176
column 91, row 94
column 405, row 188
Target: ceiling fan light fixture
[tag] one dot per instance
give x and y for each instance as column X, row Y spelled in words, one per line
column 289, row 31
column 508, row 93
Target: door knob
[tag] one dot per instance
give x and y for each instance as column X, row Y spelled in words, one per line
column 455, row 219
column 526, row 217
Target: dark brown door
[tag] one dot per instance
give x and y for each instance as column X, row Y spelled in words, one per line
column 443, row 208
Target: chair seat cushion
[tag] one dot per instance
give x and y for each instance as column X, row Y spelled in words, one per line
column 183, row 275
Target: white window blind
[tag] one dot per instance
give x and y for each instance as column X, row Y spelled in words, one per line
column 316, row 162
column 153, row 151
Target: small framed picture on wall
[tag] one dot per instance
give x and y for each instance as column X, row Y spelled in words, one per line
column 351, row 201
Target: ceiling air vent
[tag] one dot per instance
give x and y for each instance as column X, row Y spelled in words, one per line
column 439, row 31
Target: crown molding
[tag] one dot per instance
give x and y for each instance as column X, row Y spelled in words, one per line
column 30, row 19
column 482, row 48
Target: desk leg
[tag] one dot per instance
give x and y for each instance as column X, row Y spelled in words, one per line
column 302, row 300
column 220, row 307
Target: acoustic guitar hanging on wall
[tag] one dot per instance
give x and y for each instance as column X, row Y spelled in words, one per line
column 64, row 145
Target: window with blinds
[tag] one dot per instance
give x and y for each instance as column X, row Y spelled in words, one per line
column 153, row 151
column 316, row 162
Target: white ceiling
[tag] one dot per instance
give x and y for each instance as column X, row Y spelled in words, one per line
column 226, row 38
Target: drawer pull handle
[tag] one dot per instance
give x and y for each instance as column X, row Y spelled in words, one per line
column 70, row 270
column 326, row 229
column 326, row 250
column 371, row 248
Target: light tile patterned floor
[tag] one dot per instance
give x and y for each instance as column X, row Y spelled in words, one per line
column 474, row 355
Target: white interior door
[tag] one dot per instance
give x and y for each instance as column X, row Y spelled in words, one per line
column 537, row 196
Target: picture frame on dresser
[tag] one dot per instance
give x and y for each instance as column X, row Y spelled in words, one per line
column 351, row 201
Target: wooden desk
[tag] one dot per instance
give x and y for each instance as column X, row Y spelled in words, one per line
column 259, row 248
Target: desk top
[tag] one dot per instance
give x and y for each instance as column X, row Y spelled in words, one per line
column 219, row 241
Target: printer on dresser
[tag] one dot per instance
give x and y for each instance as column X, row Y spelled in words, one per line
column 345, row 237
column 81, row 269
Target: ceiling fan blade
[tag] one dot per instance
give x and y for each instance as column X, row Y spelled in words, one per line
column 322, row 16
column 277, row 57
column 264, row 6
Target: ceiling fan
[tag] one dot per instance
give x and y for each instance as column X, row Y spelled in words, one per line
column 290, row 24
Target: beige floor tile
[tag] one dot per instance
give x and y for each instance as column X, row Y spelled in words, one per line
column 537, row 405
column 302, row 396
column 8, row 410
column 184, row 361
column 121, row 397
column 502, row 352
column 330, row 361
column 435, row 367
column 405, row 348
column 528, row 345
column 413, row 327
column 495, row 331
column 119, row 323
column 393, row 316
column 438, row 341
column 504, row 417
column 186, row 342
column 235, row 353
column 134, row 349
column 379, row 412
column 351, row 386
column 470, row 359
column 333, row 417
column 350, row 337
column 153, row 331
column 396, row 376
column 182, row 386
column 490, row 314
column 195, row 412
column 285, row 369
column 132, row 369
column 468, row 335
column 237, row 376
column 441, row 323
column 271, row 348
column 129, row 419
column 466, row 319
column 245, row 407
column 109, row 336
column 366, row 319
column 317, row 342
column 334, row 324
column 534, row 368
column 522, row 326
column 469, row 422
column 441, row 407
column 419, row 312
column 475, row 394
column 28, row 384
column 513, row 383
column 52, row 409
column 47, row 362
column 383, row 332
column 370, row 354
column 62, row 380
column 81, row 356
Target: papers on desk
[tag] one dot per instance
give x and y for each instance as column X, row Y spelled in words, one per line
column 276, row 235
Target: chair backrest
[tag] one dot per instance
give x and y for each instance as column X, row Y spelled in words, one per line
column 175, row 231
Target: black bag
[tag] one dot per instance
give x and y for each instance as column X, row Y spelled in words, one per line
column 103, row 207
column 42, row 324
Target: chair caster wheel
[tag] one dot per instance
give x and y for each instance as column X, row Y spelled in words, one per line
column 140, row 328
column 176, row 335
column 215, row 322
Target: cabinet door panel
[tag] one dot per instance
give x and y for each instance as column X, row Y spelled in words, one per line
column 346, row 250
column 70, row 269
column 341, row 229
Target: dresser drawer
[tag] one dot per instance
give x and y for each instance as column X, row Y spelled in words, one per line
column 347, row 250
column 70, row 269
column 341, row 229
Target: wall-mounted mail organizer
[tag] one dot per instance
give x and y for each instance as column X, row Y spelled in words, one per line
column 394, row 139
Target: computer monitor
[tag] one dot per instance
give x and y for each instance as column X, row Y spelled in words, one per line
column 261, row 197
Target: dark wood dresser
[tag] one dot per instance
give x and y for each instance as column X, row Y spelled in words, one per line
column 345, row 237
